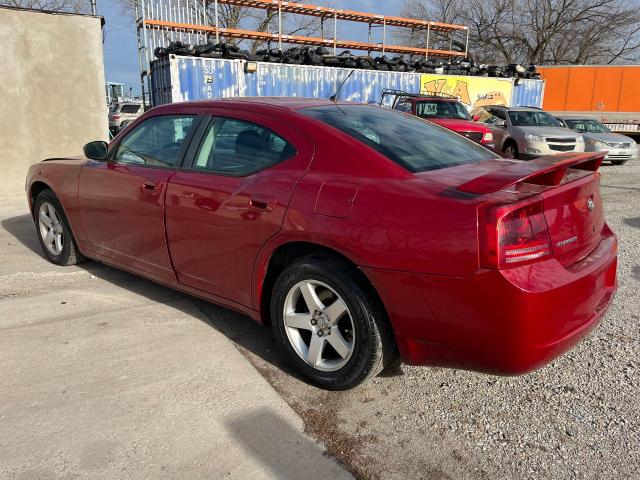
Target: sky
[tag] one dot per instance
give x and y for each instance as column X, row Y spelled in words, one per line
column 120, row 44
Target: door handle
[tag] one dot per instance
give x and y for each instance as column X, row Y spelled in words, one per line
column 261, row 203
column 149, row 185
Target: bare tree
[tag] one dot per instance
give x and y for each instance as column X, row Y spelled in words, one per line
column 70, row 6
column 539, row 31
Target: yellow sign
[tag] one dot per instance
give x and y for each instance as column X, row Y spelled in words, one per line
column 471, row 91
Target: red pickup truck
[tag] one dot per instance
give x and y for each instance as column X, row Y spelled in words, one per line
column 442, row 110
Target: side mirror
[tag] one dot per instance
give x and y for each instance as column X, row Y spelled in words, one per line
column 475, row 118
column 96, row 150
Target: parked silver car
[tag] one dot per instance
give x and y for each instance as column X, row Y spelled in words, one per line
column 598, row 138
column 122, row 114
column 527, row 132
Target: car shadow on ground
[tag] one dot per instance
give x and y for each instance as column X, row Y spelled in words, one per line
column 632, row 222
column 246, row 334
column 603, row 185
column 257, row 430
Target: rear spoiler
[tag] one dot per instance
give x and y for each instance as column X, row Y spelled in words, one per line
column 549, row 170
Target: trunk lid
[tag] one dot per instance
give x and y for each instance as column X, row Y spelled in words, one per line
column 574, row 215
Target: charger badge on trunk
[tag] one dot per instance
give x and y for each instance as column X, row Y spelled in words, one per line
column 591, row 204
column 567, row 241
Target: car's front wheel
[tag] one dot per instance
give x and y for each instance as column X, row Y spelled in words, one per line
column 330, row 324
column 510, row 150
column 54, row 233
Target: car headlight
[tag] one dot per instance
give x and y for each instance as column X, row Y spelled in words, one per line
column 595, row 143
column 533, row 138
column 488, row 137
column 579, row 139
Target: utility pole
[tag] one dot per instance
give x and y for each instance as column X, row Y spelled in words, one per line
column 94, row 9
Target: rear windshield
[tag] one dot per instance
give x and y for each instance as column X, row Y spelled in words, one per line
column 129, row 108
column 415, row 144
column 440, row 109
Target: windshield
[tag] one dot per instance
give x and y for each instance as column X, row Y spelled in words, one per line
column 415, row 144
column 440, row 109
column 130, row 108
column 532, row 119
column 586, row 126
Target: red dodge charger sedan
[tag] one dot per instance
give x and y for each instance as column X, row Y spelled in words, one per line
column 358, row 233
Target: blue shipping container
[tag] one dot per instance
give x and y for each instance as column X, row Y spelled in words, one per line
column 179, row 79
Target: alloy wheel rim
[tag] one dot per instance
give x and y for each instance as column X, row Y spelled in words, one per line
column 510, row 152
column 51, row 230
column 319, row 325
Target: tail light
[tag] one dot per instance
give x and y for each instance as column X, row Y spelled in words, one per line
column 514, row 234
column 115, row 116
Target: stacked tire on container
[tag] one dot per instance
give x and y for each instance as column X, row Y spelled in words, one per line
column 323, row 57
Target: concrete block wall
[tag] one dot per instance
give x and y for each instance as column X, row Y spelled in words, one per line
column 52, row 98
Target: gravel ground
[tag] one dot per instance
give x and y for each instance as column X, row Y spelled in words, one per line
column 577, row 418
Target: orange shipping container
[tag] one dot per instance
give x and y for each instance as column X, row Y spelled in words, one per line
column 587, row 88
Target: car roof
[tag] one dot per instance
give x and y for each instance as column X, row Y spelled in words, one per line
column 515, row 109
column 289, row 103
column 575, row 117
column 431, row 97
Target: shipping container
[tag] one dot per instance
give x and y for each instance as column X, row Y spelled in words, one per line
column 610, row 93
column 179, row 79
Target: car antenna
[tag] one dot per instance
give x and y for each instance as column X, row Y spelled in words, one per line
column 334, row 97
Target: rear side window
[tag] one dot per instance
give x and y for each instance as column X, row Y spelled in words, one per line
column 238, row 147
column 155, row 142
column 415, row 144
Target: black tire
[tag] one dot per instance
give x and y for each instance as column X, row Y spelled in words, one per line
column 373, row 342
column 618, row 162
column 69, row 254
column 514, row 146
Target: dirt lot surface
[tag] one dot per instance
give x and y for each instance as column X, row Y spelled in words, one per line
column 577, row 418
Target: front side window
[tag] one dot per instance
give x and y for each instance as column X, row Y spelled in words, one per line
column 532, row 119
column 441, row 109
column 403, row 107
column 483, row 115
column 415, row 144
column 237, row 147
column 155, row 142
column 492, row 116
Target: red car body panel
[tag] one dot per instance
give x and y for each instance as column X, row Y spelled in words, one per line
column 232, row 216
column 123, row 216
column 458, row 125
column 414, row 237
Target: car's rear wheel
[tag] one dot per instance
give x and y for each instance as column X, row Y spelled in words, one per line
column 618, row 162
column 54, row 233
column 329, row 324
column 510, row 150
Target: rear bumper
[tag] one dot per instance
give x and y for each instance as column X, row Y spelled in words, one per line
column 505, row 322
